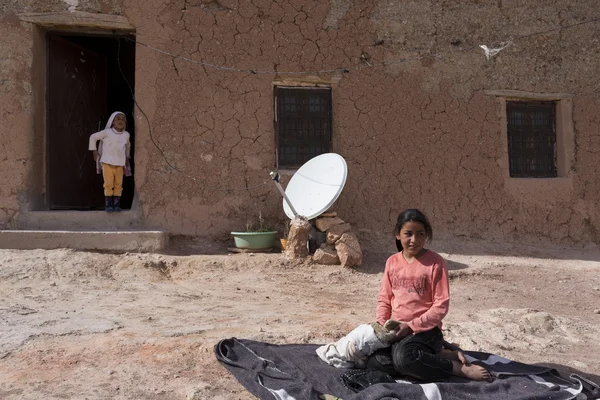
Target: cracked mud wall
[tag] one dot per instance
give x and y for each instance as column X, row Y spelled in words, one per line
column 21, row 120
column 416, row 134
column 15, row 124
column 421, row 133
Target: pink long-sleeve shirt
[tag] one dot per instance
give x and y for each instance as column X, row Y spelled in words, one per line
column 416, row 293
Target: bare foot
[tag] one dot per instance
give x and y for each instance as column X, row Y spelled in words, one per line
column 471, row 371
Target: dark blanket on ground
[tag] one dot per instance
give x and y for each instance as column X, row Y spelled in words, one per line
column 294, row 371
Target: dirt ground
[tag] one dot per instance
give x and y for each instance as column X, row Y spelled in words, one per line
column 85, row 325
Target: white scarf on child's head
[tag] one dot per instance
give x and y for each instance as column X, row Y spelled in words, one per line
column 112, row 118
column 108, row 126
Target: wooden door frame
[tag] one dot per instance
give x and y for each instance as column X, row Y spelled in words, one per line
column 76, row 23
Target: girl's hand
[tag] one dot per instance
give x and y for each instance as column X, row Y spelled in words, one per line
column 403, row 331
column 463, row 359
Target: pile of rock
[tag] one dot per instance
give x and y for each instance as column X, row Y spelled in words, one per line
column 297, row 240
column 342, row 245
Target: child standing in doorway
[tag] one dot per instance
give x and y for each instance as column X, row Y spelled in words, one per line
column 415, row 290
column 112, row 157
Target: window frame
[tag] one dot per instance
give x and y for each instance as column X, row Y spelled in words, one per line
column 565, row 142
column 527, row 139
column 278, row 90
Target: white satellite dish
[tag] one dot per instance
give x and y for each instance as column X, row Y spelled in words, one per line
column 315, row 186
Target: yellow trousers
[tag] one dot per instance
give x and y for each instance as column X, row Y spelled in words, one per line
column 113, row 180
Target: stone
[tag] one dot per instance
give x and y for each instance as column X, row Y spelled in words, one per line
column 323, row 224
column 315, row 239
column 537, row 322
column 194, row 394
column 348, row 250
column 328, row 214
column 336, row 232
column 326, row 255
column 297, row 244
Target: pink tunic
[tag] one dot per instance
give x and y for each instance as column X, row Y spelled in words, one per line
column 416, row 293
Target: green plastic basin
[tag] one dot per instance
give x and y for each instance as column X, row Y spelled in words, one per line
column 254, row 240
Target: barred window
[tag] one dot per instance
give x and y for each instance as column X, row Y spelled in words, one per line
column 531, row 138
column 302, row 124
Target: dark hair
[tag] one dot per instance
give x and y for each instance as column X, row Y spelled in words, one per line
column 412, row 214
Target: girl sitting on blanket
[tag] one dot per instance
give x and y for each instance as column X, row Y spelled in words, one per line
column 415, row 289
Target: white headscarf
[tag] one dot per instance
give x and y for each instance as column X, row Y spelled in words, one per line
column 112, row 118
column 108, row 126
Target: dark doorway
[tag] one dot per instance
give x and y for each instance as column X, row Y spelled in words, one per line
column 89, row 77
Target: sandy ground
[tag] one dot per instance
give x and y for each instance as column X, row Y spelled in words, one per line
column 84, row 325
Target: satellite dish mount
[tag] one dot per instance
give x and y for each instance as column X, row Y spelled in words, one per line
column 275, row 178
column 314, row 188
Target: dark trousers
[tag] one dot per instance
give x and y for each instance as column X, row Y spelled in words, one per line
column 416, row 356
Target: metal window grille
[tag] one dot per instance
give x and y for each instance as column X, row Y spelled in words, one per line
column 531, row 139
column 302, row 123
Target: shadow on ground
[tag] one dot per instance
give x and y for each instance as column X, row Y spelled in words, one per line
column 374, row 262
column 191, row 246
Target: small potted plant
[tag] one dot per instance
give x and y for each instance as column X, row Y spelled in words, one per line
column 255, row 237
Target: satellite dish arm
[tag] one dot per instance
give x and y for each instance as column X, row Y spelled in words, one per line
column 275, row 177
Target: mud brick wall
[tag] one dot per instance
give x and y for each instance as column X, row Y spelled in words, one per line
column 424, row 133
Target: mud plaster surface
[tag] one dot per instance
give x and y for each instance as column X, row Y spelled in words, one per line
column 142, row 326
column 415, row 134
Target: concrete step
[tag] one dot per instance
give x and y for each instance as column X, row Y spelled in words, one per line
column 126, row 220
column 138, row 241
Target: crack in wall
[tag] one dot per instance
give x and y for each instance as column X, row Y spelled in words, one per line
column 218, row 126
